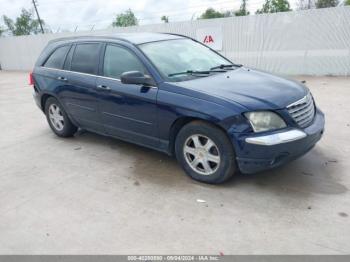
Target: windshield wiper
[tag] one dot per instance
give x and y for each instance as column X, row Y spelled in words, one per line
column 225, row 66
column 196, row 73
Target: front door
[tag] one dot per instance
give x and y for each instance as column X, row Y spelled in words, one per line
column 128, row 111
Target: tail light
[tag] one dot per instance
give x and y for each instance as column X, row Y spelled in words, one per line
column 31, row 79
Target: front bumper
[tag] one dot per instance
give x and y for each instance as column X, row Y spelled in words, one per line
column 257, row 153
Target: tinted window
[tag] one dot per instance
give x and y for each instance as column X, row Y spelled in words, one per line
column 68, row 61
column 85, row 58
column 119, row 60
column 56, row 59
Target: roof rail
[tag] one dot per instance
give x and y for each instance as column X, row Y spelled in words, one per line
column 87, row 36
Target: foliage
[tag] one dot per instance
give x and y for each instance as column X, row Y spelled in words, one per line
column 127, row 18
column 165, row 19
column 25, row 24
column 2, row 30
column 347, row 2
column 274, row 6
column 326, row 3
column 242, row 9
column 211, row 13
column 229, row 13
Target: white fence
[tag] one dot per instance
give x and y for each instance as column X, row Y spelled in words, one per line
column 310, row 42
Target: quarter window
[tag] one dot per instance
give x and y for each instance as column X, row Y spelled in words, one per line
column 119, row 60
column 56, row 59
column 85, row 58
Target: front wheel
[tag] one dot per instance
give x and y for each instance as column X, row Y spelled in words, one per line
column 205, row 153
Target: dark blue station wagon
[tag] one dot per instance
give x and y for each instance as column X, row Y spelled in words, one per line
column 173, row 94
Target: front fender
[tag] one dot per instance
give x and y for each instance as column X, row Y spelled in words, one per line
column 173, row 106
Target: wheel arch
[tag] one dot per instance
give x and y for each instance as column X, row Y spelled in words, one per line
column 43, row 100
column 46, row 96
column 180, row 122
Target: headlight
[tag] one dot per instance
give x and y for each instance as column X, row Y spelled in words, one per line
column 264, row 121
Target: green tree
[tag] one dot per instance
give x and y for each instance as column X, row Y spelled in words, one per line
column 211, row 13
column 127, row 18
column 25, row 24
column 2, row 30
column 347, row 2
column 326, row 3
column 229, row 13
column 165, row 19
column 242, row 11
column 274, row 6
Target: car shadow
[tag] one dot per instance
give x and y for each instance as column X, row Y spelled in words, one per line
column 315, row 172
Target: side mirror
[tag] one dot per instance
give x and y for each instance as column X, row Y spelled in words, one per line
column 136, row 78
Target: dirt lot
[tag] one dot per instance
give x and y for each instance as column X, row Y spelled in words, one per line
column 92, row 195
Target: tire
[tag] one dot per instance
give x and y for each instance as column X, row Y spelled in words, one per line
column 58, row 119
column 212, row 163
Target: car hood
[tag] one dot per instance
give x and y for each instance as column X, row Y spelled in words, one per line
column 252, row 89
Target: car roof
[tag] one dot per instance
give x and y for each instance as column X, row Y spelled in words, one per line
column 134, row 38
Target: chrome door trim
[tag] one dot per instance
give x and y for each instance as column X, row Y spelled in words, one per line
column 104, row 77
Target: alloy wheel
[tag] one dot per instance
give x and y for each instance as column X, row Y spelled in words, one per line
column 56, row 117
column 202, row 154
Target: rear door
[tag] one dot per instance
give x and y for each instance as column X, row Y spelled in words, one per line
column 127, row 110
column 80, row 95
column 48, row 74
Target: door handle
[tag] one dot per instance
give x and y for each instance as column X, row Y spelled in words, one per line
column 103, row 87
column 62, row 78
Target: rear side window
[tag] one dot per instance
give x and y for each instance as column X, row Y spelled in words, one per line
column 56, row 59
column 119, row 60
column 69, row 56
column 85, row 58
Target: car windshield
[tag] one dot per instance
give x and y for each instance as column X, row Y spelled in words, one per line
column 183, row 59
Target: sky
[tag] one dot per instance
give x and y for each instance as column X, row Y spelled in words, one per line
column 62, row 15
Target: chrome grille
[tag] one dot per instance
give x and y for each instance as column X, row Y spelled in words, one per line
column 303, row 110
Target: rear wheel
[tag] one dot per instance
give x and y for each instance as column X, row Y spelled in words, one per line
column 205, row 152
column 58, row 119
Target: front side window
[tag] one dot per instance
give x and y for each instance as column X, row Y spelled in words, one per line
column 57, row 58
column 181, row 55
column 85, row 58
column 118, row 60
